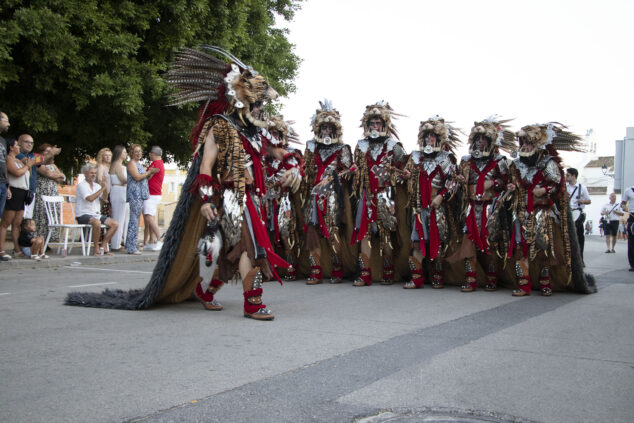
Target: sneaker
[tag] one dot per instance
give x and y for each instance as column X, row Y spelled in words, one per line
column 35, row 257
column 4, row 256
column 157, row 246
column 148, row 246
column 613, row 250
column 43, row 256
column 136, row 253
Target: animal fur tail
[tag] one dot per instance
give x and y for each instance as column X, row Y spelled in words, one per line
column 582, row 282
column 138, row 299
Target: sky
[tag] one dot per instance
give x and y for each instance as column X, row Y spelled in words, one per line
column 534, row 61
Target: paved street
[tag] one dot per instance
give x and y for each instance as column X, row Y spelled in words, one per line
column 333, row 354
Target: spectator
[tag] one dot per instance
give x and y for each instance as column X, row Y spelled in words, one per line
column 31, row 245
column 579, row 197
column 589, row 227
column 155, row 184
column 88, row 209
column 118, row 203
column 4, row 181
column 18, row 173
column 137, row 192
column 602, row 223
column 627, row 204
column 25, row 142
column 104, row 159
column 49, row 177
column 612, row 212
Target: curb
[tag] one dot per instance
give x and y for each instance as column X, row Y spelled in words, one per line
column 56, row 261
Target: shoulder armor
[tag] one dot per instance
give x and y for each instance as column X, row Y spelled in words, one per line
column 552, row 171
column 503, row 164
column 346, row 155
column 362, row 145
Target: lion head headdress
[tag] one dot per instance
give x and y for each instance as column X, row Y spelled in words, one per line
column 383, row 111
column 282, row 131
column 226, row 88
column 435, row 135
column 489, row 136
column 326, row 123
column 551, row 137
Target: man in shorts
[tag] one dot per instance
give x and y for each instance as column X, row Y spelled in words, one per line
column 612, row 212
column 155, row 183
column 88, row 209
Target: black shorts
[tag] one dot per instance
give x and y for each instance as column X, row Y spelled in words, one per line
column 84, row 219
column 16, row 202
column 611, row 228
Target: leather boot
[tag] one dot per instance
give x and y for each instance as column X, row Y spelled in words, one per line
column 207, row 298
column 388, row 271
column 418, row 276
column 291, row 271
column 365, row 278
column 523, row 281
column 315, row 270
column 470, row 276
column 337, row 270
column 252, row 287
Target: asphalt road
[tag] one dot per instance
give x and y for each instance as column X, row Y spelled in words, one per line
column 333, row 354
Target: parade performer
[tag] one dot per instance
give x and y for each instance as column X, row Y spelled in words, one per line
column 281, row 216
column 327, row 215
column 431, row 171
column 222, row 195
column 483, row 177
column 543, row 231
column 379, row 159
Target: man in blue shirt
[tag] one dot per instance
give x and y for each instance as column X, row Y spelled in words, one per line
column 25, row 142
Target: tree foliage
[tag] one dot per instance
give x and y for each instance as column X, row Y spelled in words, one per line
column 85, row 74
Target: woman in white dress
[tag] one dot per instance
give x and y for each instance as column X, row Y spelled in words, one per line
column 119, row 206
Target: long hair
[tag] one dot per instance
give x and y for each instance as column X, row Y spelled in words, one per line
column 117, row 152
column 100, row 155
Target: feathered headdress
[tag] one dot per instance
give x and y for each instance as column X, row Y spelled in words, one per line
column 327, row 114
column 224, row 87
column 495, row 129
column 446, row 134
column 551, row 136
column 383, row 111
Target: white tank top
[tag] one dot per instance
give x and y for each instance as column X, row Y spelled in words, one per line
column 114, row 179
column 19, row 181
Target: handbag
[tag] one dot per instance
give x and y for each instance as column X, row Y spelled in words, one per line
column 30, row 196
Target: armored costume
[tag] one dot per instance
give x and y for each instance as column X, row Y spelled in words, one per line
column 483, row 175
column 222, row 195
column 431, row 171
column 328, row 163
column 379, row 160
column 542, row 232
column 281, row 221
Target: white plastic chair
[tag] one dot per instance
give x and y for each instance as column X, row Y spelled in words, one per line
column 53, row 207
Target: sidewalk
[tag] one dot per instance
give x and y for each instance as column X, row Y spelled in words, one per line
column 75, row 259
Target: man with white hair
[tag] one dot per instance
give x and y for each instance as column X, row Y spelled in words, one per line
column 88, row 209
column 155, row 183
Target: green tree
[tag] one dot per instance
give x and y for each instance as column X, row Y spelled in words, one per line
column 84, row 74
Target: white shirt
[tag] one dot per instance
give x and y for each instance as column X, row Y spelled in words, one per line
column 83, row 206
column 609, row 207
column 581, row 193
column 628, row 197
